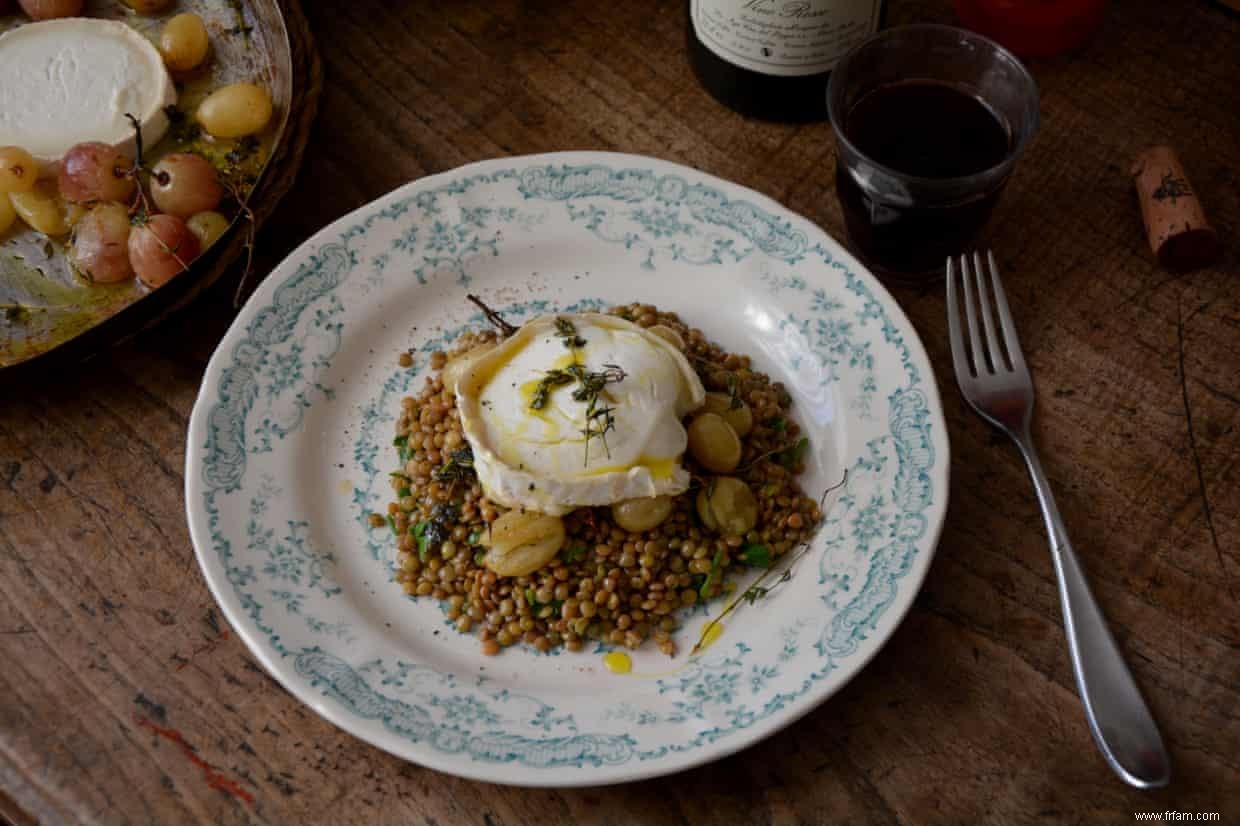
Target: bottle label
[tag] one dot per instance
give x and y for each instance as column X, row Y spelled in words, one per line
column 783, row 37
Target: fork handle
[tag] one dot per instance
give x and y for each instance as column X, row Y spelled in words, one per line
column 1118, row 717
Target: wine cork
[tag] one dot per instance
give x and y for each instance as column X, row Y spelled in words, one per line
column 1175, row 223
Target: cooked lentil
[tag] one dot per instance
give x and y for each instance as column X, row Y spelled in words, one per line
column 606, row 583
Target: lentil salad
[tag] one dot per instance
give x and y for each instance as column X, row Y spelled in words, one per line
column 622, row 574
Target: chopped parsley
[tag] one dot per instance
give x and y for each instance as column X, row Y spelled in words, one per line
column 713, row 575
column 573, row 553
column 758, row 556
column 419, row 534
column 402, row 448
column 794, row 455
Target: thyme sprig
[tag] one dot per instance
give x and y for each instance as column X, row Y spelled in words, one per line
column 550, row 380
column 599, row 422
column 758, row 590
column 600, row 418
column 568, row 333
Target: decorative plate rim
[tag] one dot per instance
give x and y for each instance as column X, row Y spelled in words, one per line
column 308, row 692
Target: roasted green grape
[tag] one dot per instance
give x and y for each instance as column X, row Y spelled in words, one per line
column 236, row 110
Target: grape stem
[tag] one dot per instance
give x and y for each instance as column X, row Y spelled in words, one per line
column 140, row 204
column 492, row 316
column 250, row 232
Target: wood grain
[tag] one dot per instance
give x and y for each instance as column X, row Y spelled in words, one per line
column 124, row 698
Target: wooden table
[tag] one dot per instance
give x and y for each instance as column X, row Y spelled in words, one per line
column 124, row 697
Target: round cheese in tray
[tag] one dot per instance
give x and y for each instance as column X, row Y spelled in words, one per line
column 132, row 137
column 77, row 79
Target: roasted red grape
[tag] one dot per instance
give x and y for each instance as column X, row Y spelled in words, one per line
column 94, row 171
column 100, row 248
column 184, row 184
column 161, row 247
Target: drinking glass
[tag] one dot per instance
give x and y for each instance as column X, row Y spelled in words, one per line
column 905, row 226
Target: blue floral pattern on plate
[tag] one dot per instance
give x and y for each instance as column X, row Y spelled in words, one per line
column 303, row 576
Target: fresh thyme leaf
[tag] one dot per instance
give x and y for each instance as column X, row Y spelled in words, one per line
column 599, row 420
column 754, row 594
column 712, row 575
column 777, row 423
column 401, row 493
column 568, row 333
column 474, row 538
column 391, row 520
column 599, row 423
column 759, row 556
column 573, row 553
column 529, row 597
column 550, row 380
column 590, row 385
column 479, row 556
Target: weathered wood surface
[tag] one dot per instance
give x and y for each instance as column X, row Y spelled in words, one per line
column 125, row 699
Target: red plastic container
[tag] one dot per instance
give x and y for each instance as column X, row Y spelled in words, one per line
column 1034, row 28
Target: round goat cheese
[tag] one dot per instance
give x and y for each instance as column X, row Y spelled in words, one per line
column 536, row 444
column 75, row 79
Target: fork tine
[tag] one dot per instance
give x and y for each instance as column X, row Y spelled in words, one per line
column 988, row 321
column 977, row 347
column 1010, row 339
column 959, row 359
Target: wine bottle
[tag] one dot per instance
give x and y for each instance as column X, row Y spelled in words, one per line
column 770, row 59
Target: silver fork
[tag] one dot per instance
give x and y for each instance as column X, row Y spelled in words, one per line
column 996, row 383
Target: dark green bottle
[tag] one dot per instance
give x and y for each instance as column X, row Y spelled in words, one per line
column 770, row 59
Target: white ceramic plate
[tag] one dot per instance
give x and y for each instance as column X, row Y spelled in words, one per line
column 290, row 446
